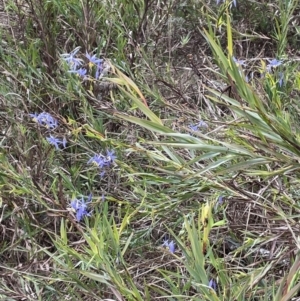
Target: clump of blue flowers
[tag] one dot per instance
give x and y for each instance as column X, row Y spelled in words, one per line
column 47, row 120
column 72, row 60
column 93, row 68
column 271, row 66
column 80, row 206
column 103, row 161
column 56, row 141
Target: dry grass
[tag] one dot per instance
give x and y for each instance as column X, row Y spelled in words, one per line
column 165, row 76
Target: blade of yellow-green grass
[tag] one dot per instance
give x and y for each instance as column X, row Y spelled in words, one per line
column 236, row 167
column 281, row 171
column 207, row 222
column 97, row 277
column 91, row 243
column 291, row 293
column 203, row 157
column 133, row 85
column 63, row 232
column 196, row 253
column 231, row 148
column 229, row 36
column 214, row 165
column 220, row 54
column 258, row 274
column 125, row 80
column 253, row 116
column 278, row 295
column 288, row 291
column 90, row 132
column 128, row 240
column 244, row 165
column 150, row 125
column 142, row 107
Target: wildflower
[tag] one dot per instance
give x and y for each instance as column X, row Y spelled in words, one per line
column 170, row 245
column 55, row 141
column 220, row 200
column 196, row 127
column 81, row 207
column 102, row 160
column 110, row 157
column 97, row 159
column 93, row 60
column 239, row 62
column 45, row 119
column 212, row 284
column 273, row 64
column 72, row 61
column 80, row 72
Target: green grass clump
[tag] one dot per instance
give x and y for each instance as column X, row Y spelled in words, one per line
column 149, row 150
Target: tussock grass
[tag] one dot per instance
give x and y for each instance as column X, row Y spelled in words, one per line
column 179, row 176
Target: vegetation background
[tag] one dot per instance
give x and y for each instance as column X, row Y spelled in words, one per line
column 149, row 150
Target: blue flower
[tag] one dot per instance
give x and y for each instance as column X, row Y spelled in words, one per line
column 56, row 141
column 72, row 61
column 273, row 64
column 45, row 119
column 102, row 161
column 93, row 59
column 81, row 207
column 219, row 202
column 97, row 159
column 170, row 245
column 196, row 127
column 110, row 157
column 80, row 72
column 212, row 284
